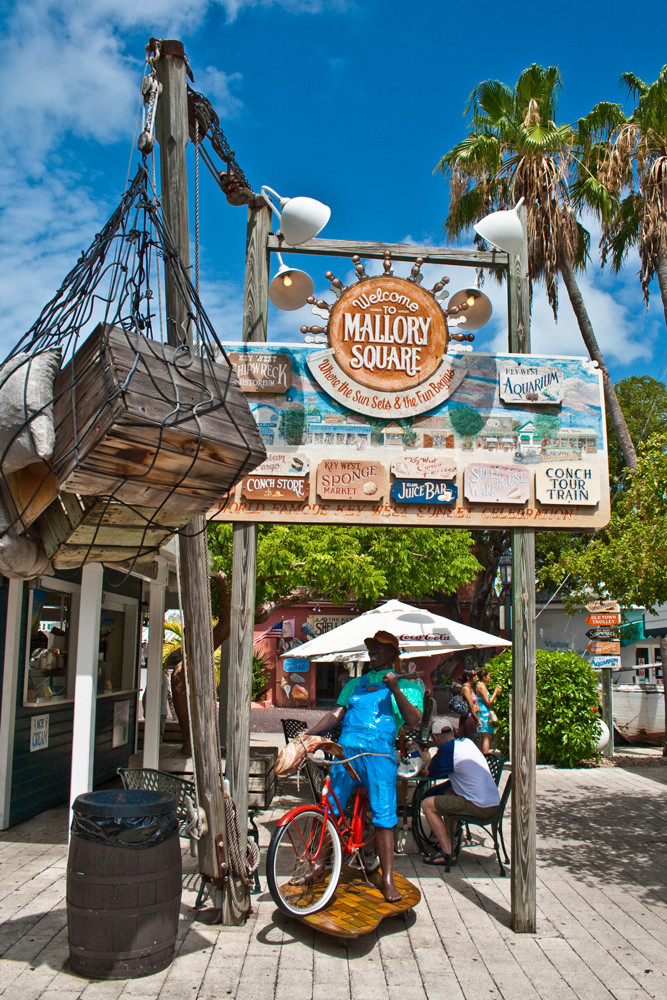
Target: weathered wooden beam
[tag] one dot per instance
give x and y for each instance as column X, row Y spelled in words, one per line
column 172, row 135
column 244, row 547
column 523, row 749
column 398, row 251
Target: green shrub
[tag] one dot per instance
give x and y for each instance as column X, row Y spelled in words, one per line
column 566, row 706
column 260, row 676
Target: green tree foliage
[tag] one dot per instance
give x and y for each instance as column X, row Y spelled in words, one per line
column 547, row 425
column 516, row 149
column 341, row 563
column 625, row 164
column 644, row 403
column 566, row 706
column 293, row 425
column 260, row 676
column 467, row 422
column 626, row 560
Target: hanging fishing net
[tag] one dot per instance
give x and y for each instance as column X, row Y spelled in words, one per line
column 114, row 435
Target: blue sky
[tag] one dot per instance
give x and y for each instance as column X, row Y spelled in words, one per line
column 349, row 102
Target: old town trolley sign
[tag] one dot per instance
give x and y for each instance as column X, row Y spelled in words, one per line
column 388, row 338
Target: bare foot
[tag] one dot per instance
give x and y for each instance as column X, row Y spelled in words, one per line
column 314, row 873
column 390, row 892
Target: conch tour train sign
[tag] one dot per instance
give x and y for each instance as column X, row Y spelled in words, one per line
column 390, row 423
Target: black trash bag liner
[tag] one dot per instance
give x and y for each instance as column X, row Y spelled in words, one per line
column 125, row 818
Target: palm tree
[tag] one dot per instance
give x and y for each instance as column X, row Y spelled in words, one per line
column 630, row 155
column 515, row 150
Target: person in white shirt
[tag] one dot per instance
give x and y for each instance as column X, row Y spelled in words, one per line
column 470, row 790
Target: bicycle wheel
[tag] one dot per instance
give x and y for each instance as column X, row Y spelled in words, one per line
column 421, row 831
column 303, row 863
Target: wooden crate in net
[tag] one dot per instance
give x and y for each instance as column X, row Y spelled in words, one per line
column 152, row 425
column 76, row 530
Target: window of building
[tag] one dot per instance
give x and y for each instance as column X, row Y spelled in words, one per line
column 49, row 675
column 118, row 645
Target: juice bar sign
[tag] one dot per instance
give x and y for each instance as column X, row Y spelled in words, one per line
column 387, row 358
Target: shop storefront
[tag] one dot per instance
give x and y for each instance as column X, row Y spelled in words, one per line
column 39, row 672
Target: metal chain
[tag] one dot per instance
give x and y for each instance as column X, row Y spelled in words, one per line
column 233, row 182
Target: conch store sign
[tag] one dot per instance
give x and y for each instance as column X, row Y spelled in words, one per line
column 386, row 424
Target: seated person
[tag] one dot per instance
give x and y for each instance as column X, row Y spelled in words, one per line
column 470, row 791
column 372, row 708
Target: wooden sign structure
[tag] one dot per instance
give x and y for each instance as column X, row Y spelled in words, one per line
column 357, row 438
column 602, row 633
column 604, row 618
column 604, row 648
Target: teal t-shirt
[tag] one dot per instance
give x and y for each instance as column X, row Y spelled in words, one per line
column 412, row 688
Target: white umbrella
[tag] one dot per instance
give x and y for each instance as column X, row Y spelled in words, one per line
column 419, row 632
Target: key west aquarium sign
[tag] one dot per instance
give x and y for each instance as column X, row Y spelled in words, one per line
column 387, row 357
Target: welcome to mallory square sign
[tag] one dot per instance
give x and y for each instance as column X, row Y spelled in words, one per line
column 468, row 440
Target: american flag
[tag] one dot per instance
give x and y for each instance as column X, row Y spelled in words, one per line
column 274, row 630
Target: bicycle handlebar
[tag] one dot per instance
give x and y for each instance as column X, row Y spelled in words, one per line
column 343, row 760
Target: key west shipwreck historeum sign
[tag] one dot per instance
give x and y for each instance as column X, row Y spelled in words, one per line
column 388, row 424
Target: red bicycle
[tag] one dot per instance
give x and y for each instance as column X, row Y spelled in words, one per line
column 310, row 845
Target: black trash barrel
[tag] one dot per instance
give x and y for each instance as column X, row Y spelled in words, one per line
column 124, row 876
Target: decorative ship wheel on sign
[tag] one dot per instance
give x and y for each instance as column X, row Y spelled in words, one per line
column 386, row 338
column 386, row 294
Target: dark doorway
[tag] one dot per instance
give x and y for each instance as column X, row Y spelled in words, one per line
column 330, row 679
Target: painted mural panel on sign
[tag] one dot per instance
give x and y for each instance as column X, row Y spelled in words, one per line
column 326, row 429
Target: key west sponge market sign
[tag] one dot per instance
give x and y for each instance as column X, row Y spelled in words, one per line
column 387, row 424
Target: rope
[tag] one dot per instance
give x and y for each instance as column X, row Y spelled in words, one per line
column 243, row 867
column 197, row 227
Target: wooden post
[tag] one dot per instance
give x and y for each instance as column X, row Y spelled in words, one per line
column 608, row 709
column 153, row 698
column 172, row 135
column 244, row 552
column 85, row 684
column 10, row 673
column 523, row 748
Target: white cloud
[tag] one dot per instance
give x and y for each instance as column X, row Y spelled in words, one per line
column 218, row 88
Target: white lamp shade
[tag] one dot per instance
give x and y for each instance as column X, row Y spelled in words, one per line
column 479, row 307
column 502, row 229
column 291, row 288
column 300, row 218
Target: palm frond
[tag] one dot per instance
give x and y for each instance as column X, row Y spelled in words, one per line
column 600, row 122
column 622, row 233
column 490, row 98
column 634, row 86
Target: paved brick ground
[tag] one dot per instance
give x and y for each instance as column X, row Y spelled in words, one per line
column 602, row 916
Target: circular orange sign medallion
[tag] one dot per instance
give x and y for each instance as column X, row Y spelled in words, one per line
column 388, row 333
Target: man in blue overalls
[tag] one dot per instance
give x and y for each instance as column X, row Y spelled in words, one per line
column 372, row 709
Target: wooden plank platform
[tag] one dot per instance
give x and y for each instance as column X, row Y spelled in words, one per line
column 358, row 908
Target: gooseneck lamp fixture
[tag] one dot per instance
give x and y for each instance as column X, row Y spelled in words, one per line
column 503, row 229
column 478, row 311
column 301, row 219
column 291, row 288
